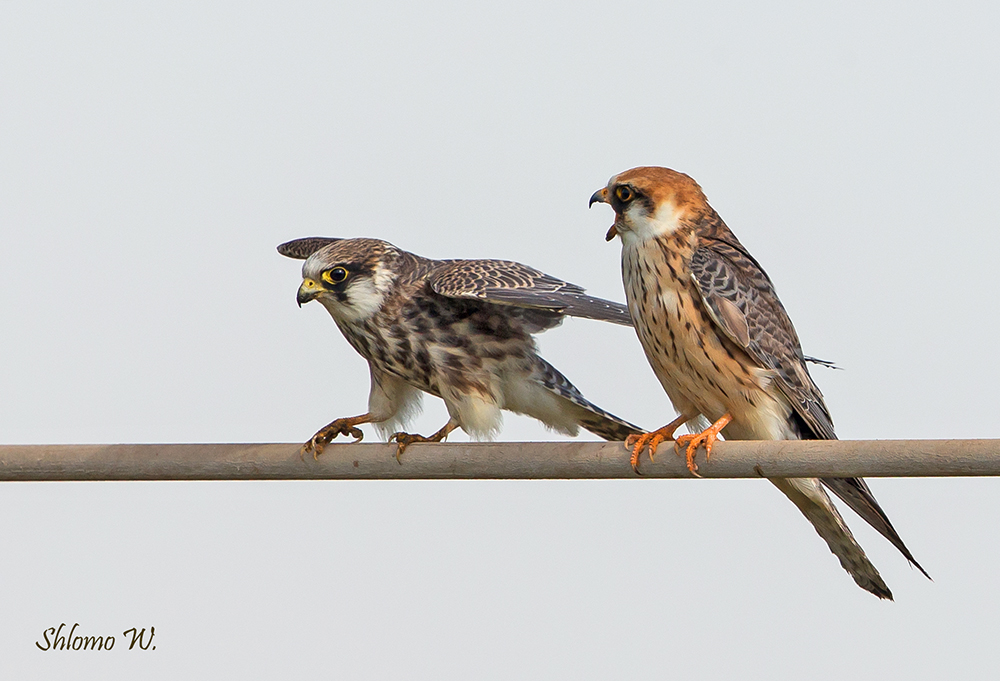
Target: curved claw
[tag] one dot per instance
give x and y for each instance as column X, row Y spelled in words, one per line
column 404, row 440
column 651, row 440
column 638, row 442
column 706, row 437
column 691, row 442
column 318, row 442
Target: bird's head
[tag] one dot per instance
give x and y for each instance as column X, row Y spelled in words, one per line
column 650, row 202
column 350, row 277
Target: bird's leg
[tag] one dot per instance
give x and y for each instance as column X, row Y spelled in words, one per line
column 345, row 426
column 706, row 437
column 405, row 439
column 653, row 439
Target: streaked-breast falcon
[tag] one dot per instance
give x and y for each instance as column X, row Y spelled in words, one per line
column 461, row 330
column 724, row 349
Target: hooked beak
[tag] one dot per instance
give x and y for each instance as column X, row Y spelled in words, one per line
column 601, row 196
column 307, row 291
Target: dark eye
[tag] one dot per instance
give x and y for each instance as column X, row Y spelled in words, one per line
column 336, row 275
column 624, row 194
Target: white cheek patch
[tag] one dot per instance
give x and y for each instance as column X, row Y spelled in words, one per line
column 643, row 227
column 668, row 214
column 365, row 296
column 363, row 300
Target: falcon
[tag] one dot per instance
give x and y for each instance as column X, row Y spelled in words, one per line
column 724, row 349
column 461, row 330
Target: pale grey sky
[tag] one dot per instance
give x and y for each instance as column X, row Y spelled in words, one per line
column 151, row 157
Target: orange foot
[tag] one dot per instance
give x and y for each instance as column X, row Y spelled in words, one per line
column 706, row 437
column 652, row 440
column 345, row 426
column 405, row 439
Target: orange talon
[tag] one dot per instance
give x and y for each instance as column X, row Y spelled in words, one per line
column 651, row 440
column 706, row 437
column 637, row 443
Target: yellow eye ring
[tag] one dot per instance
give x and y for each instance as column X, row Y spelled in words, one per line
column 335, row 276
column 624, row 194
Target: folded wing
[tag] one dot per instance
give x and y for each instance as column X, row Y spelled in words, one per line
column 742, row 303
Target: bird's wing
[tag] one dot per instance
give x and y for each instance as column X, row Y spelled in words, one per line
column 511, row 283
column 741, row 301
column 301, row 249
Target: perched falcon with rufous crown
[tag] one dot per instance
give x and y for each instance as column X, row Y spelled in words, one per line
column 461, row 330
column 724, row 349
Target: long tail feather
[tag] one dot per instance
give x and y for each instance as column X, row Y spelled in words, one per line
column 810, row 498
column 855, row 493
